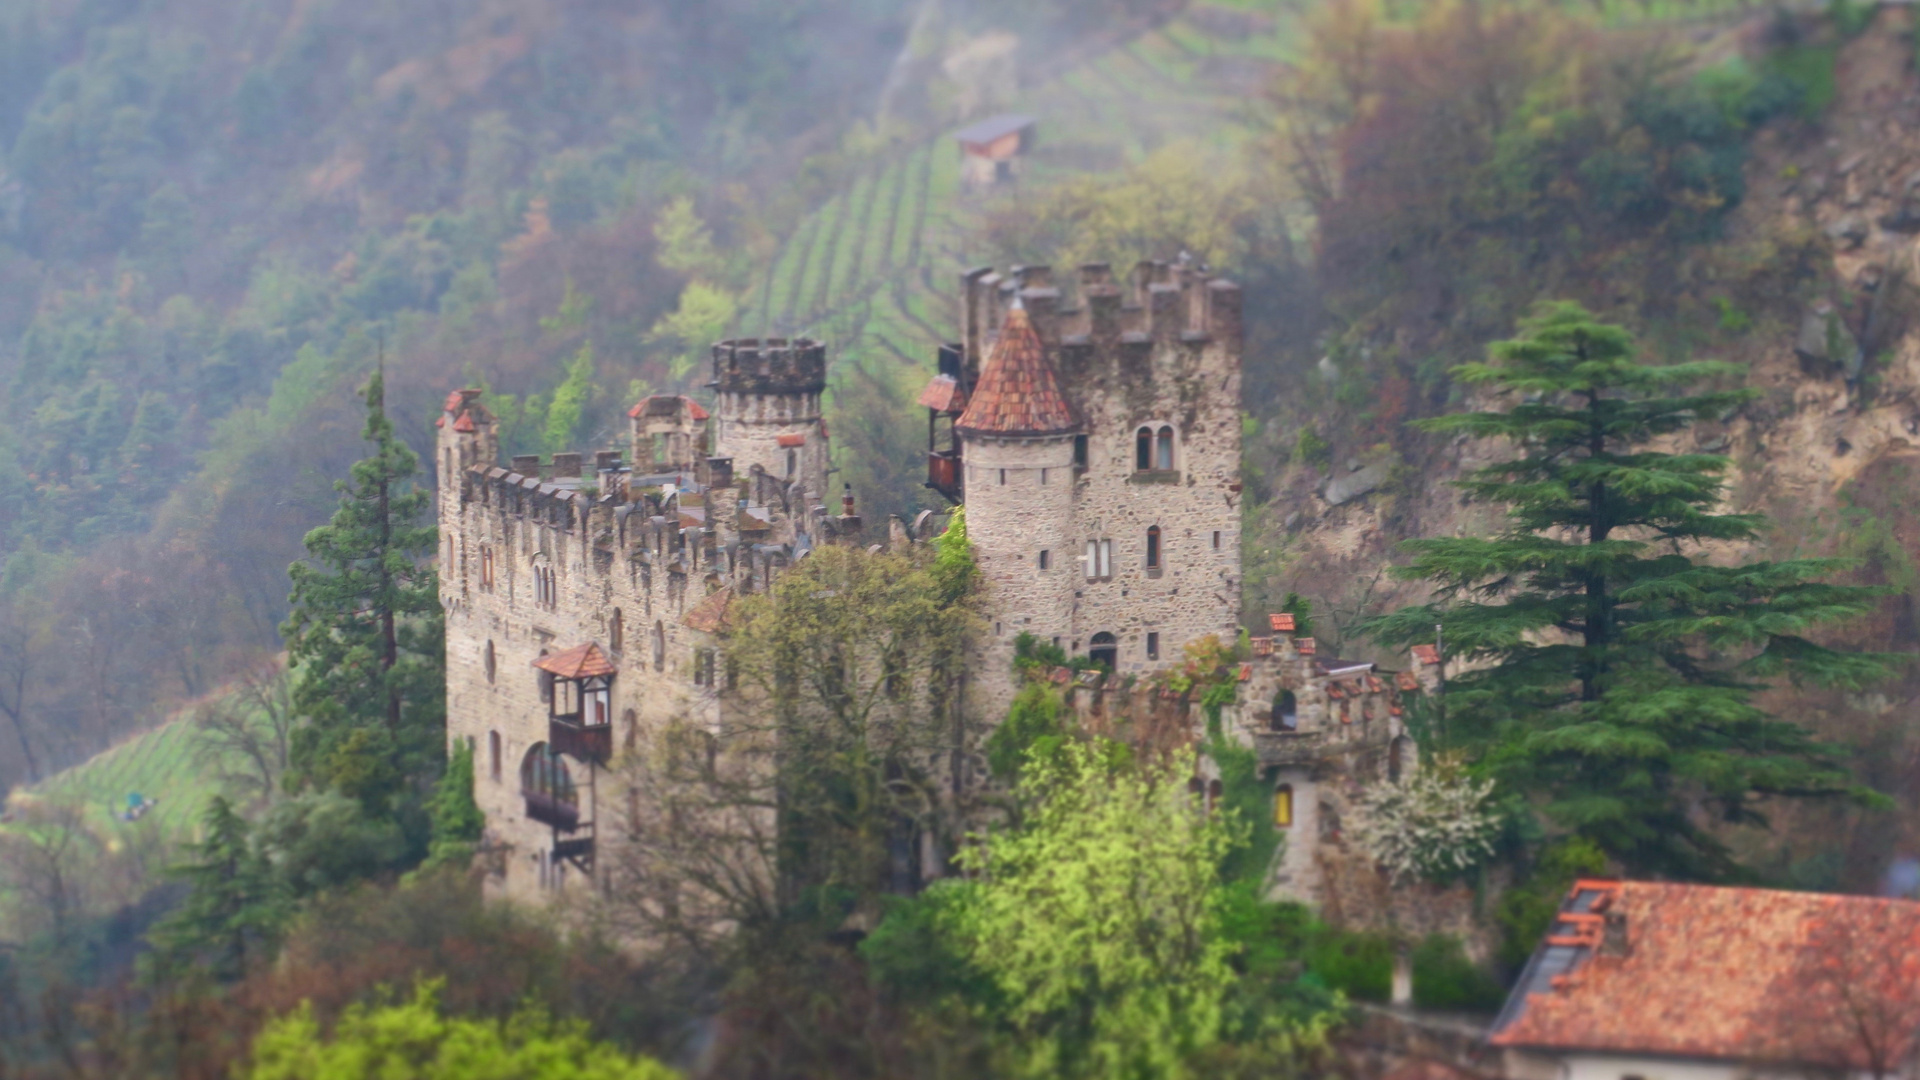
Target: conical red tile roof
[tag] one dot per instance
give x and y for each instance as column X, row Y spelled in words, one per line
column 1018, row 393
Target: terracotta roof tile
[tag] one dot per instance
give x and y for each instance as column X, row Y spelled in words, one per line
column 943, row 394
column 1705, row 972
column 1246, row 672
column 1018, row 393
column 1406, row 681
column 792, row 440
column 439, row 421
column 454, row 398
column 668, row 404
column 1282, row 621
column 694, row 410
column 1426, row 654
column 1304, row 645
column 710, row 614
column 464, row 424
column 579, row 662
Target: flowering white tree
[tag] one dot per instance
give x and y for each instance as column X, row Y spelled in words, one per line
column 1437, row 822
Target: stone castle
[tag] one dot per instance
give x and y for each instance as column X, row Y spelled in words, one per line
column 1093, row 435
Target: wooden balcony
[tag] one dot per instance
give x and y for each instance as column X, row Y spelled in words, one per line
column 583, row 742
column 577, row 850
column 548, row 810
column 943, row 473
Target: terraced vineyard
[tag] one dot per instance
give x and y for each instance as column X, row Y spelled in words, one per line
column 159, row 764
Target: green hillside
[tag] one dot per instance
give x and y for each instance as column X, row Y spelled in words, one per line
column 159, row 765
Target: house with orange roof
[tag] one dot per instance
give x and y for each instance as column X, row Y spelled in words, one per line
column 1659, row 981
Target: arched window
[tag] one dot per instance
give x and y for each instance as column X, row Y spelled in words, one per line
column 616, row 631
column 1153, row 547
column 1163, row 450
column 631, row 726
column 486, row 566
column 548, row 786
column 793, row 462
column 487, row 661
column 1286, row 712
column 659, row 646
column 1143, row 449
column 1283, row 806
column 493, row 755
column 1104, row 649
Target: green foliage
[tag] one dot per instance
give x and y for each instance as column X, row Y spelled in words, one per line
column 686, row 244
column 324, row 840
column 456, row 818
column 415, row 1038
column 1302, row 610
column 1312, row 449
column 705, row 313
column 365, row 634
column 955, row 569
column 1527, row 909
column 1031, row 653
column 1097, row 921
column 1247, row 798
column 1033, row 729
column 1355, row 963
column 1445, row 978
column 236, row 907
column 570, row 402
column 1608, row 671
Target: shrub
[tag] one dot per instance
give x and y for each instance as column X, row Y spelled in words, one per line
column 1444, row 977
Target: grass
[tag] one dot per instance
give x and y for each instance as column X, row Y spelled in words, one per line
column 159, row 764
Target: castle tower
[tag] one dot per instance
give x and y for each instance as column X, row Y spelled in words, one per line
column 1017, row 439
column 1131, row 389
column 767, row 409
column 466, row 435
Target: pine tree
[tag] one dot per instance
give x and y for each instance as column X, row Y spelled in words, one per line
column 1609, row 671
column 236, row 908
column 365, row 633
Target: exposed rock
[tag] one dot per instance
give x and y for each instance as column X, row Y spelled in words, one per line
column 1905, row 217
column 1849, row 231
column 1353, row 485
column 1824, row 337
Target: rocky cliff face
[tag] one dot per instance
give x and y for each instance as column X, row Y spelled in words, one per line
column 1831, row 225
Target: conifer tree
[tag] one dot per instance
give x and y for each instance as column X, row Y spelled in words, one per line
column 236, row 907
column 365, row 633
column 1608, row 669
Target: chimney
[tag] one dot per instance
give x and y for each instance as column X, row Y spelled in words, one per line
column 526, row 464
column 566, row 465
column 1613, row 935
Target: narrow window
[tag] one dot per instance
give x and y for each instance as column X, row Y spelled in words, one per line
column 486, row 566
column 1283, row 806
column 616, row 631
column 1043, row 477
column 1216, row 539
column 631, row 723
column 1286, row 712
column 996, row 630
column 1153, row 645
column 659, row 646
column 1153, row 547
column 1046, row 560
column 1106, row 558
column 1093, row 560
column 1163, row 450
column 793, row 462
column 493, row 755
column 487, row 661
column 1143, row 449
column 1080, row 452
column 1003, row 478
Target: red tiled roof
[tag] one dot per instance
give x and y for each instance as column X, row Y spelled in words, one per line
column 642, row 407
column 1246, row 672
column 1705, row 972
column 710, row 614
column 579, row 662
column 1407, row 681
column 792, row 440
column 454, row 398
column 943, row 394
column 439, row 421
column 1426, row 654
column 464, row 424
column 1018, row 393
column 1283, row 621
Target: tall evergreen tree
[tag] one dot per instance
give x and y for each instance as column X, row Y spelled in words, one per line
column 1609, row 671
column 236, row 908
column 365, row 635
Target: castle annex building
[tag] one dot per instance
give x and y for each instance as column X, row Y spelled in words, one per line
column 1094, row 439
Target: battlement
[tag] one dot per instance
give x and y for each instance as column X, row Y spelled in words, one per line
column 769, row 366
column 1158, row 302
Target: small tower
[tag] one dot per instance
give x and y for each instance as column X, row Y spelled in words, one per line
column 1017, row 440
column 767, row 409
column 467, row 436
column 669, row 434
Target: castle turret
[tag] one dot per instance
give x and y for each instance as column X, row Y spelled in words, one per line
column 767, row 410
column 1017, row 439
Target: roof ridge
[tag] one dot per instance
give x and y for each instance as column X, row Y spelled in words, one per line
column 1018, row 392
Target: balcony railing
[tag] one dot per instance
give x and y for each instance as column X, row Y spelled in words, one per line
column 943, row 472
column 577, row 849
column 582, row 742
column 544, row 808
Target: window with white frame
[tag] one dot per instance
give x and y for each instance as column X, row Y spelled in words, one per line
column 1099, row 560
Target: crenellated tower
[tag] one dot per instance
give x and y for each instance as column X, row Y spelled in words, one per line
column 767, row 410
